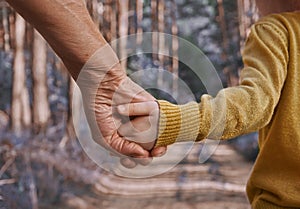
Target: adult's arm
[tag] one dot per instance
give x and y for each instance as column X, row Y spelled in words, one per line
column 66, row 26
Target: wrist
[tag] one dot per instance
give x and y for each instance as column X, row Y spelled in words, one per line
column 103, row 66
column 177, row 123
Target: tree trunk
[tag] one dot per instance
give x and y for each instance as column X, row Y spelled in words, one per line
column 20, row 109
column 93, row 7
column 113, row 23
column 161, row 40
column 5, row 23
column 232, row 79
column 132, row 17
column 105, row 28
column 154, row 29
column 41, row 110
column 70, row 133
column 248, row 14
column 139, row 14
column 175, row 46
column 12, row 29
column 161, row 29
column 123, row 31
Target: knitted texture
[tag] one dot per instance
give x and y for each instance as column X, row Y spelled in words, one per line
column 169, row 123
column 177, row 123
column 267, row 100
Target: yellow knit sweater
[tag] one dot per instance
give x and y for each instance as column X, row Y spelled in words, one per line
column 267, row 99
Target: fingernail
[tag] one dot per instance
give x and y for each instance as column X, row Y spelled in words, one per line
column 160, row 154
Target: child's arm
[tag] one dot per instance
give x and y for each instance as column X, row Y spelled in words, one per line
column 236, row 110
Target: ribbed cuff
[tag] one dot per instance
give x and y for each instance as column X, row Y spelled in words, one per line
column 177, row 123
column 262, row 204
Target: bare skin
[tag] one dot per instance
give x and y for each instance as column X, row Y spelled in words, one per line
column 67, row 27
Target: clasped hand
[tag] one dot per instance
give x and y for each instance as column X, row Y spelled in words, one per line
column 106, row 93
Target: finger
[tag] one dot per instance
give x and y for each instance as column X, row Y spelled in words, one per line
column 148, row 146
column 128, row 148
column 143, row 161
column 128, row 163
column 133, row 162
column 113, row 154
column 135, row 126
column 140, row 130
column 159, row 151
column 137, row 109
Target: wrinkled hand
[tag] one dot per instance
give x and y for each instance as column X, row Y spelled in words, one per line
column 104, row 85
column 112, row 93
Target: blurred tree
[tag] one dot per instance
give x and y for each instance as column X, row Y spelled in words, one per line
column 20, row 108
column 248, row 14
column 5, row 28
column 230, row 78
column 40, row 107
column 161, row 40
column 96, row 10
column 70, row 134
column 139, row 19
column 175, row 47
column 123, row 31
column 212, row 25
column 113, row 22
column 154, row 23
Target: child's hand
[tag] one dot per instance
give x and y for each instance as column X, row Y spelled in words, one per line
column 142, row 127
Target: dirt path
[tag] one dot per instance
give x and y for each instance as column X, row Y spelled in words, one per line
column 219, row 183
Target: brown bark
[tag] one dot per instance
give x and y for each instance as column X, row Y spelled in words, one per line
column 107, row 13
column 223, row 24
column 232, row 79
column 245, row 21
column 5, row 24
column 70, row 131
column 139, row 14
column 131, row 17
column 41, row 110
column 154, row 29
column 161, row 29
column 123, row 31
column 20, row 110
column 12, row 28
column 95, row 12
column 161, row 39
column 114, row 23
column 175, row 46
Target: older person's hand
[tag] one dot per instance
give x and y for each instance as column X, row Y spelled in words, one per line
column 104, row 85
column 68, row 28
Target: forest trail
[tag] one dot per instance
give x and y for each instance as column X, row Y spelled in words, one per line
column 219, row 183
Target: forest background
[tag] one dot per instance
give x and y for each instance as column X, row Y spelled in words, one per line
column 41, row 161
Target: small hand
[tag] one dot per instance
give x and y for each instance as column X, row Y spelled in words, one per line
column 143, row 127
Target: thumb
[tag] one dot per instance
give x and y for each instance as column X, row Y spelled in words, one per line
column 137, row 109
column 159, row 151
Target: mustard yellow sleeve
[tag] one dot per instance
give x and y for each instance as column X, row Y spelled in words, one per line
column 236, row 110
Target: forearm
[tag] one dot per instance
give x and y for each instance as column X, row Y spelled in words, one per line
column 233, row 112
column 66, row 26
column 237, row 110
